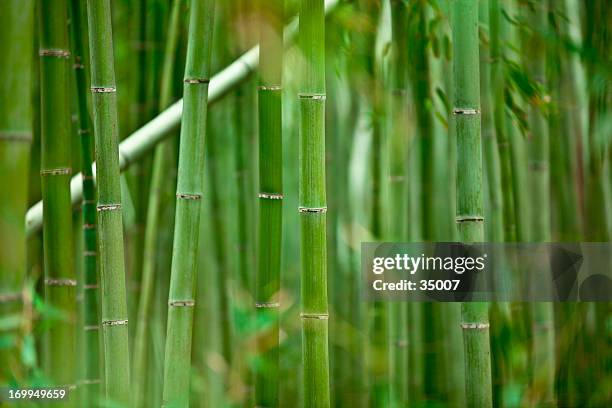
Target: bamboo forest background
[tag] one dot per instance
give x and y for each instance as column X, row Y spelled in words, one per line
column 230, row 241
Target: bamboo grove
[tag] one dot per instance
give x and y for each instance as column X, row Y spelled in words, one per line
column 186, row 185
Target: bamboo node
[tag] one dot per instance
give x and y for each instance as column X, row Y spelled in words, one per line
column 89, row 381
column 119, row 322
column 313, row 96
column 60, row 171
column 54, row 52
column 91, row 286
column 78, row 65
column 10, row 297
column 108, row 207
column 469, row 218
column 185, row 196
column 267, row 305
column 60, row 282
column 91, row 327
column 321, row 210
column 401, row 343
column 83, row 131
column 396, row 178
column 270, row 87
column 466, row 111
column 475, row 326
column 196, row 80
column 89, row 253
column 182, row 303
column 315, row 316
column 16, row 136
column 271, row 196
column 89, row 226
column 102, row 89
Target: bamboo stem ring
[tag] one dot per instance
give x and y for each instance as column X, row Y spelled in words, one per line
column 60, row 282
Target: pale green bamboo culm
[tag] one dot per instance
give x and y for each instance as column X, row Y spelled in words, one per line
column 16, row 42
column 470, row 220
column 60, row 279
column 267, row 282
column 177, row 365
column 110, row 232
column 312, row 210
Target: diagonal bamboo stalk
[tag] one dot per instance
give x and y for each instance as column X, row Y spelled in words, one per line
column 110, row 232
column 143, row 140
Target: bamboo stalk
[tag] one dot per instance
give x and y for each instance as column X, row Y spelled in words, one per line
column 398, row 313
column 313, row 208
column 188, row 205
column 499, row 114
column 160, row 168
column 143, row 140
column 267, row 280
column 495, row 226
column 110, row 232
column 378, row 311
column 470, row 223
column 60, row 280
column 90, row 287
column 543, row 343
column 16, row 39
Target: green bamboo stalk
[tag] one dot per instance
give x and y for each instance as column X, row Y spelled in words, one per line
column 60, row 282
column 415, row 222
column 503, row 333
column 90, row 287
column 596, row 39
column 267, row 280
column 379, row 319
column 495, row 227
column 424, row 71
column 188, row 205
column 16, row 39
column 398, row 312
column 216, row 165
column 567, row 120
column 511, row 36
column 110, row 232
column 470, row 223
column 499, row 113
column 543, row 343
column 245, row 124
column 139, row 176
column 160, row 170
column 312, row 204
